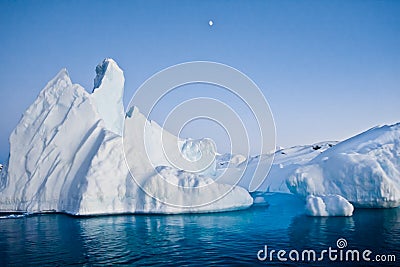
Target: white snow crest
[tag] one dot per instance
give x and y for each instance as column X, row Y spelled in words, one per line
column 108, row 95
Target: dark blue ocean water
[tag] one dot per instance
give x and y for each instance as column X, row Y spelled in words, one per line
column 230, row 238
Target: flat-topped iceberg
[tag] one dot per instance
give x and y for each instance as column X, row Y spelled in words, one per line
column 363, row 170
column 67, row 155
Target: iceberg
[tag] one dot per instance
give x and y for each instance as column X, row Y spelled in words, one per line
column 80, row 153
column 67, row 154
column 330, row 205
column 364, row 169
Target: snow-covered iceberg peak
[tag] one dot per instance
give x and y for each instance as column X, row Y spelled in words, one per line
column 108, row 94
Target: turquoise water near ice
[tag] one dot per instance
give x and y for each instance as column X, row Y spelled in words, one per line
column 219, row 239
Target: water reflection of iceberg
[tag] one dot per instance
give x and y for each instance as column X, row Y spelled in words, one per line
column 374, row 229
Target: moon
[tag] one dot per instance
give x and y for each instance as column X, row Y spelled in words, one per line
column 210, row 22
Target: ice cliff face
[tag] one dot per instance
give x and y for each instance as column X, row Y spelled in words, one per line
column 67, row 155
column 44, row 155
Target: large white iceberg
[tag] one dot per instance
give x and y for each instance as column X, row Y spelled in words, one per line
column 67, row 155
column 364, row 169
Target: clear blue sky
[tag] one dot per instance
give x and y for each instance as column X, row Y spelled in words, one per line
column 329, row 69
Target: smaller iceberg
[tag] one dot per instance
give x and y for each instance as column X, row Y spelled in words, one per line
column 364, row 169
column 329, row 205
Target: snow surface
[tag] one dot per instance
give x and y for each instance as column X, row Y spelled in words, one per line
column 330, row 205
column 364, row 169
column 285, row 161
column 67, row 155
